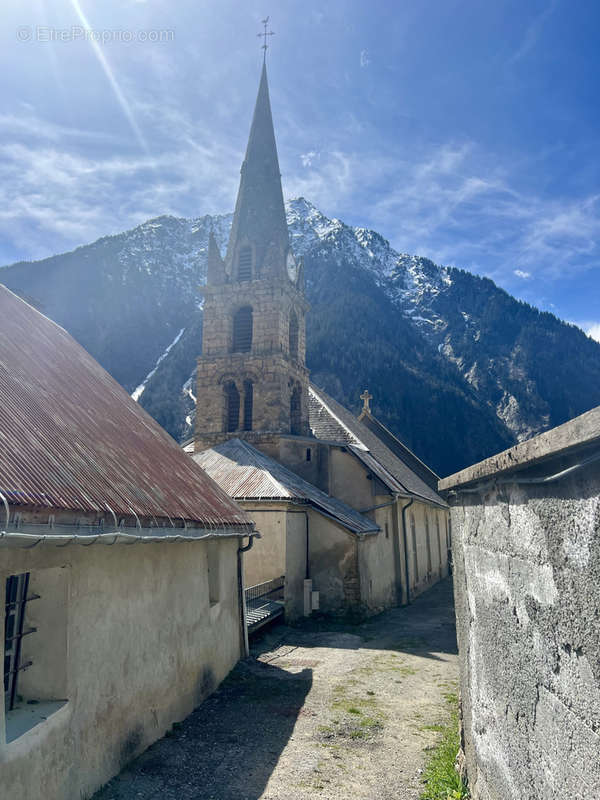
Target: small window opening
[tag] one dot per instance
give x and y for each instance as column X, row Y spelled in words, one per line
column 242, row 330
column 248, row 403
column 232, row 403
column 293, row 336
column 308, row 454
column 387, row 531
column 245, row 264
column 14, row 631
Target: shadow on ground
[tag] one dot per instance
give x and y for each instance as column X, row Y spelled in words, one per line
column 227, row 748
column 230, row 746
column 426, row 628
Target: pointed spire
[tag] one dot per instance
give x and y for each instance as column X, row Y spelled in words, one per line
column 215, row 272
column 259, row 220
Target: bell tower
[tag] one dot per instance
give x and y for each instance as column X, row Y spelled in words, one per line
column 252, row 376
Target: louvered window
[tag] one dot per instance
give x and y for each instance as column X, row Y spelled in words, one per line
column 248, row 403
column 245, row 264
column 242, row 330
column 293, row 335
column 14, row 631
column 232, row 406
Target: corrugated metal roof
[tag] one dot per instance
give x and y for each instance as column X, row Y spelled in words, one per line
column 331, row 421
column 72, row 438
column 246, row 473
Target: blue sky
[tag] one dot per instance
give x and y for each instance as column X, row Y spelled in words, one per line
column 466, row 131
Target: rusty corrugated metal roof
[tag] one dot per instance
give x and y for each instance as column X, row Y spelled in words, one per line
column 72, row 438
column 247, row 474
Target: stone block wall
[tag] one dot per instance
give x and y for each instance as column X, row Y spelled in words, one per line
column 527, row 590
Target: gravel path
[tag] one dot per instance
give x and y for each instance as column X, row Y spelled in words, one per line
column 322, row 710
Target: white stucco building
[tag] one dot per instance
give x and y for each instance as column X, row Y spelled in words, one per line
column 120, row 562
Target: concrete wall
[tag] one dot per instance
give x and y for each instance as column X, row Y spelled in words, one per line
column 527, row 589
column 138, row 646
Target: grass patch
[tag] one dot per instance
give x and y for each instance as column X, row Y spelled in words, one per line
column 442, row 781
column 359, row 716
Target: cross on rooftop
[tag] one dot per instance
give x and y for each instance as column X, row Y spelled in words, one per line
column 264, row 35
column 366, row 397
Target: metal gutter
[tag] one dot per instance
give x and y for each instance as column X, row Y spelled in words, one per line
column 60, row 538
column 241, row 592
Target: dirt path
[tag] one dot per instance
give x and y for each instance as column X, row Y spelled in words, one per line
column 319, row 711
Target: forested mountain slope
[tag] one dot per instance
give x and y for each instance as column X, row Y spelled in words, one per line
column 458, row 368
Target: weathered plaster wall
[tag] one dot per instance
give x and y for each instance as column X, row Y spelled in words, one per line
column 527, row 589
column 432, row 562
column 348, row 480
column 267, row 558
column 295, row 563
column 144, row 647
column 281, row 550
column 333, row 565
column 379, row 563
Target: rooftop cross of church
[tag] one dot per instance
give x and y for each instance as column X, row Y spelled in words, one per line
column 264, row 35
column 366, row 397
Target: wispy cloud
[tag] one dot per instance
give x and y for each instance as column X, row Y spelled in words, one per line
column 364, row 58
column 533, row 33
column 520, row 273
column 54, row 195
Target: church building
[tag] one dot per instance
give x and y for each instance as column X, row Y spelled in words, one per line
column 281, row 447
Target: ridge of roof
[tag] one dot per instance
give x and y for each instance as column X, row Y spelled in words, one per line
column 73, row 439
column 372, row 451
column 246, row 473
column 398, row 447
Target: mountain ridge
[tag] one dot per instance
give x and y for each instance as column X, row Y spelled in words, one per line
column 443, row 351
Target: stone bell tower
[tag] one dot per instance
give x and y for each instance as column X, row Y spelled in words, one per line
column 252, row 376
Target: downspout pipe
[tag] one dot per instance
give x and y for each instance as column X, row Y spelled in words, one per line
column 241, row 591
column 405, row 540
column 307, row 547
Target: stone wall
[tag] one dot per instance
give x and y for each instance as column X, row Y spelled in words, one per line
column 273, row 370
column 527, row 590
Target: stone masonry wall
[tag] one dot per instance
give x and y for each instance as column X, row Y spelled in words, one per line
column 527, row 591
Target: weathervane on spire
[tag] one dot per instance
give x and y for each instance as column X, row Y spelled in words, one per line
column 264, row 35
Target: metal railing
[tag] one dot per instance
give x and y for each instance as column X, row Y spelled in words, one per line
column 273, row 590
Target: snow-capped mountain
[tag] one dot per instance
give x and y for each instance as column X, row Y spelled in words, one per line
column 459, row 368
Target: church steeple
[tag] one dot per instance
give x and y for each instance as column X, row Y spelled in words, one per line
column 259, row 222
column 252, row 376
